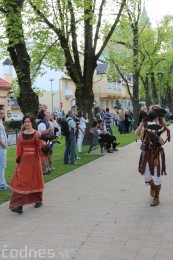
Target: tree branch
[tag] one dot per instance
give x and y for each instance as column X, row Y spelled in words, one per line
column 74, row 37
column 122, row 76
column 42, row 58
column 98, row 24
column 111, row 30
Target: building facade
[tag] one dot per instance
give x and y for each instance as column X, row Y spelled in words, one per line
column 5, row 102
column 61, row 94
column 105, row 93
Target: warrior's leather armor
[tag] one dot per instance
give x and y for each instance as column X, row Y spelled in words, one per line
column 154, row 153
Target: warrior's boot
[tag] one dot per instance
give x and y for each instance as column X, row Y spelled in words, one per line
column 155, row 201
column 152, row 188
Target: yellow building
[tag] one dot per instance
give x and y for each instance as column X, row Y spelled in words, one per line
column 5, row 104
column 105, row 93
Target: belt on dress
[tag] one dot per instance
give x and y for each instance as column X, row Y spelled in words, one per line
column 29, row 151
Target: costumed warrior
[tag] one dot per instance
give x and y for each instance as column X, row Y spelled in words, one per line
column 152, row 159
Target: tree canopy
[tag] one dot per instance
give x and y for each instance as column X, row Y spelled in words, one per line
column 65, row 34
column 72, row 35
column 139, row 50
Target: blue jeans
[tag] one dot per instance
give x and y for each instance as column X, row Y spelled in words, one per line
column 3, row 154
column 109, row 129
column 70, row 149
column 93, row 142
column 121, row 127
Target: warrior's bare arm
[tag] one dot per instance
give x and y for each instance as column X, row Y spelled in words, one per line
column 161, row 141
column 139, row 130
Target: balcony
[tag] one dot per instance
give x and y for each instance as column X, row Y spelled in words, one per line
column 68, row 93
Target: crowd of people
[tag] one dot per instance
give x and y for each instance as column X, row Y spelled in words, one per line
column 32, row 162
column 101, row 132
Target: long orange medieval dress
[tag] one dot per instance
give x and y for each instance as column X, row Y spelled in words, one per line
column 27, row 183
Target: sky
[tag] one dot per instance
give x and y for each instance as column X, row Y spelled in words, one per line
column 42, row 82
column 158, row 8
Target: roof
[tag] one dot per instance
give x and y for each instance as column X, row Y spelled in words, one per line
column 4, row 84
column 7, row 62
column 101, row 68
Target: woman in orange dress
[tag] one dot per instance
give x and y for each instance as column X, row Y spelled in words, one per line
column 27, row 183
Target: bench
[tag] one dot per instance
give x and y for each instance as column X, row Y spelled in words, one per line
column 102, row 146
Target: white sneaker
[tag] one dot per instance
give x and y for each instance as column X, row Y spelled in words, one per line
column 5, row 188
column 78, row 158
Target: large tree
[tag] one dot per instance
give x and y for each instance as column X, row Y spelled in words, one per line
column 156, row 46
column 12, row 11
column 77, row 26
column 137, row 49
column 123, row 52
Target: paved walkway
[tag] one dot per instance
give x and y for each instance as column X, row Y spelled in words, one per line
column 97, row 212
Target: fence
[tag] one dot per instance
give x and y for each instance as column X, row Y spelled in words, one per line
column 12, row 136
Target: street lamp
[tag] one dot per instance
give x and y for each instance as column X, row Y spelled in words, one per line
column 160, row 76
column 60, row 103
column 99, row 96
column 51, row 80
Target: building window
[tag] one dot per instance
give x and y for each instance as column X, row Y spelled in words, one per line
column 107, row 103
column 119, row 87
column 114, row 85
column 66, row 85
column 109, row 85
column 112, row 104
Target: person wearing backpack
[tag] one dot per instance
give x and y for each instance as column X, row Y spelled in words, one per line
column 44, row 128
column 70, row 148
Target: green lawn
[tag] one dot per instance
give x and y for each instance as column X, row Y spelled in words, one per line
column 60, row 168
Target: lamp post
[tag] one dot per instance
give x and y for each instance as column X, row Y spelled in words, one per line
column 160, row 76
column 51, row 80
column 99, row 97
column 60, row 103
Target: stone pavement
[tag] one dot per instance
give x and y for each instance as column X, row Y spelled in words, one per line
column 97, row 212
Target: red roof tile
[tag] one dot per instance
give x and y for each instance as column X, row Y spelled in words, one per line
column 4, row 84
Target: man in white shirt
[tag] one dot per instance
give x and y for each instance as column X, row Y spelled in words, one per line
column 3, row 153
column 44, row 128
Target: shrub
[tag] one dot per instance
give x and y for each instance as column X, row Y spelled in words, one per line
column 12, row 125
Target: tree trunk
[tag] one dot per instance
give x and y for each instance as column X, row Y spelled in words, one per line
column 85, row 99
column 153, row 90
column 135, row 103
column 146, row 89
column 147, row 94
column 28, row 99
column 135, row 100
column 170, row 99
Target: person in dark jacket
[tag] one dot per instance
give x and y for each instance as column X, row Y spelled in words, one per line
column 106, row 138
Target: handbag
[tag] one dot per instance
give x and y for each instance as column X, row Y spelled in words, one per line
column 93, row 131
column 144, row 147
column 46, row 149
